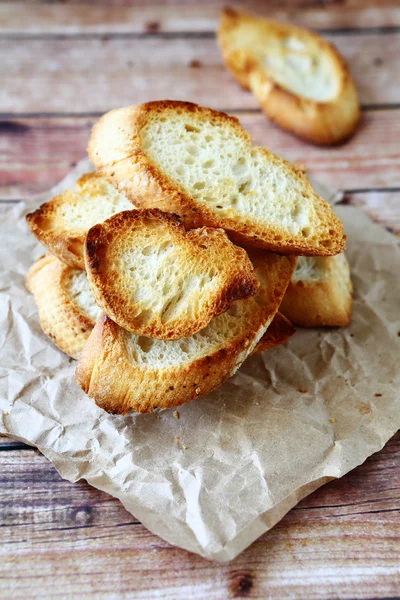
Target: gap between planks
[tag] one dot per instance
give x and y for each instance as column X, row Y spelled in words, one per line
column 77, row 19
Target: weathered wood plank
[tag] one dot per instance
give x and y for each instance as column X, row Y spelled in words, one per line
column 96, row 74
column 37, row 152
column 56, row 534
column 249, row 4
column 73, row 19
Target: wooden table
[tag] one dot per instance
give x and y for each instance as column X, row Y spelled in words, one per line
column 63, row 65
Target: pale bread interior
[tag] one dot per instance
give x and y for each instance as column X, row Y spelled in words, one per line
column 78, row 289
column 297, row 64
column 317, row 268
column 218, row 168
column 94, row 202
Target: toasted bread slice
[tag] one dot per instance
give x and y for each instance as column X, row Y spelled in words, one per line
column 122, row 371
column 299, row 79
column 280, row 330
column 67, row 310
column 62, row 223
column 320, row 292
column 200, row 164
column 155, row 279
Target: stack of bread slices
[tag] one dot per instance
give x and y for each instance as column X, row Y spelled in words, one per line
column 169, row 264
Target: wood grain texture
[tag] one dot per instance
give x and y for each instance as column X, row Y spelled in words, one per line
column 75, row 19
column 96, row 74
column 60, row 536
column 38, row 152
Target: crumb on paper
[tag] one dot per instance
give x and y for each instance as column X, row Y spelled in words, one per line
column 183, row 447
column 302, row 390
column 257, row 403
column 195, row 64
column 177, row 437
column 175, row 414
column 332, row 420
column 364, row 408
column 6, row 413
column 377, row 395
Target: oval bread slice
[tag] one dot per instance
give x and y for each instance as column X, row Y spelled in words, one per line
column 155, row 279
column 201, row 165
column 62, row 223
column 320, row 292
column 299, row 79
column 122, row 371
column 67, row 310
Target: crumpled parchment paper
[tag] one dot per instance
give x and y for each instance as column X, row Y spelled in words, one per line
column 290, row 420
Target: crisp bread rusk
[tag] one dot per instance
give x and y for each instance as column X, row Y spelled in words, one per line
column 62, row 223
column 299, row 79
column 280, row 330
column 154, row 278
column 200, row 164
column 122, row 371
column 67, row 310
column 320, row 292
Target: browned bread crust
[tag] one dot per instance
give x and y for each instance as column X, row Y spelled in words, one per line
column 155, row 279
column 323, row 300
column 243, row 41
column 61, row 318
column 61, row 223
column 122, row 372
column 117, row 149
column 280, row 330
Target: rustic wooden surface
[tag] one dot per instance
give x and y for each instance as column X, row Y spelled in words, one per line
column 62, row 65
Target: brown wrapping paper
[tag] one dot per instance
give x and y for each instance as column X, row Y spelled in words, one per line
column 290, row 420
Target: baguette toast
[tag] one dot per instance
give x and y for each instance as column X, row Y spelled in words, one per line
column 201, row 165
column 62, row 223
column 320, row 292
column 67, row 310
column 155, row 279
column 122, row 371
column 299, row 79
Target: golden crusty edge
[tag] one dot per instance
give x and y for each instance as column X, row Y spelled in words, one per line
column 280, row 330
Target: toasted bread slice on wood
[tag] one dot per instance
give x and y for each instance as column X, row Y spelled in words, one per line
column 67, row 310
column 122, row 371
column 320, row 292
column 299, row 79
column 280, row 330
column 155, row 279
column 62, row 223
column 201, row 165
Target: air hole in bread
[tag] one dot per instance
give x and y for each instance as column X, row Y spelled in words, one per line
column 190, row 127
column 305, row 232
column 208, row 164
column 145, row 343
